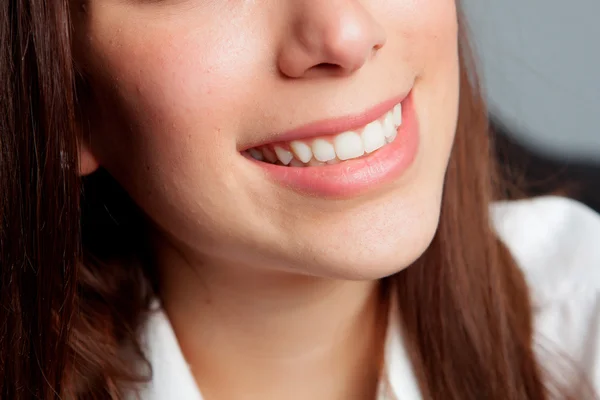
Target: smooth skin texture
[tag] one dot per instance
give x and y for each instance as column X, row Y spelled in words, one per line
column 262, row 283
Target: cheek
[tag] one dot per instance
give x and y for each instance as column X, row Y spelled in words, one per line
column 435, row 37
column 161, row 112
column 172, row 85
column 157, row 87
column 438, row 101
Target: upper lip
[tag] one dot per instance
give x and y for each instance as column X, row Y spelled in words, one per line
column 334, row 125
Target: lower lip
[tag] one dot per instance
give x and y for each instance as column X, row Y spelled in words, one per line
column 354, row 177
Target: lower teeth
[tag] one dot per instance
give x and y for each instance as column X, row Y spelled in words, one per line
column 295, row 163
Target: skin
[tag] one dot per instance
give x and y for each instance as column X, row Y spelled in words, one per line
column 283, row 286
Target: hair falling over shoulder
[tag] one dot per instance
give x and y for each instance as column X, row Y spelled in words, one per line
column 71, row 311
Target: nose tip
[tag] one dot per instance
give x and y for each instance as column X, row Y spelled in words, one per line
column 350, row 45
column 330, row 39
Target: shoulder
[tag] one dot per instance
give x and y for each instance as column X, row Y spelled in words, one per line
column 556, row 242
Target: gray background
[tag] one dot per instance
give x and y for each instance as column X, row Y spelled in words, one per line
column 540, row 61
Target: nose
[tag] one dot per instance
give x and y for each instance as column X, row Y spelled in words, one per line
column 328, row 37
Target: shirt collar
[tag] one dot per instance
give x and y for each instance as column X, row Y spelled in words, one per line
column 172, row 378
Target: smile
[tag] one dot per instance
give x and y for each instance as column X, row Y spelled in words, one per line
column 343, row 157
column 333, row 149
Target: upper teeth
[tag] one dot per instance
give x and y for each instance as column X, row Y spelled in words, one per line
column 343, row 146
column 283, row 155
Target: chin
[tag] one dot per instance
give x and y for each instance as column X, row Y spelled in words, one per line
column 383, row 249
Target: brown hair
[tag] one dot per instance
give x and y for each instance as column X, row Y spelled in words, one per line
column 75, row 288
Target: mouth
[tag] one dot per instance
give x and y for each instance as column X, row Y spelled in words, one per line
column 332, row 149
column 343, row 157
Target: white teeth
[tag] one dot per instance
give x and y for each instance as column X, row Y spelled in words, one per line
column 323, row 150
column 388, row 125
column 296, row 163
column 390, row 139
column 397, row 114
column 348, row 145
column 269, row 155
column 372, row 137
column 284, row 156
column 344, row 146
column 301, row 150
column 256, row 154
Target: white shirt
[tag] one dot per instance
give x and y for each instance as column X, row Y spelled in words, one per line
column 556, row 242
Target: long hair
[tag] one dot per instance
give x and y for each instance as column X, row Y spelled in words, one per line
column 75, row 288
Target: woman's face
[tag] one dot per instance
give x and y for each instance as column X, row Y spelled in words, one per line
column 184, row 92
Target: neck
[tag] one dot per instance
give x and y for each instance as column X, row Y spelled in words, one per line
column 253, row 334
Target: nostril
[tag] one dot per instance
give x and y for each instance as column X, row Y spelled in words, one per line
column 329, row 69
column 327, row 66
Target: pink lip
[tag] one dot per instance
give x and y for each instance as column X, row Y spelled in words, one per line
column 352, row 177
